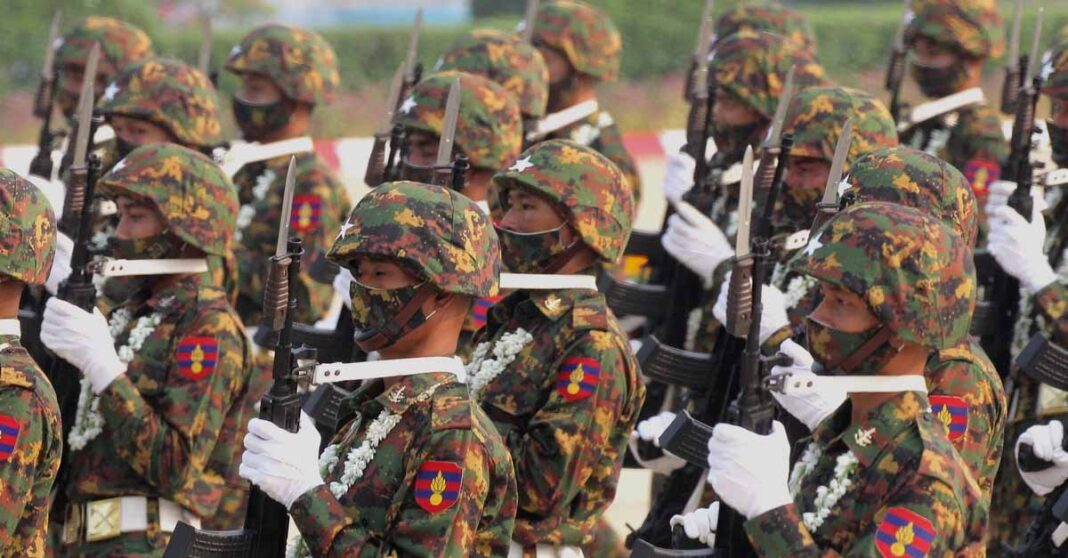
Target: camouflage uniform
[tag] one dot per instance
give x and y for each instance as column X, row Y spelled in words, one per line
column 120, row 43
column 910, row 494
column 439, row 429
column 769, row 17
column 173, row 423
column 567, row 402
column 30, row 433
column 304, row 67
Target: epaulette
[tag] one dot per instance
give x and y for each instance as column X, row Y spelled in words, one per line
column 590, row 312
column 451, row 411
column 14, row 377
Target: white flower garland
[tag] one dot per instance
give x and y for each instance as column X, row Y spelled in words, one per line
column 246, row 212
column 804, row 467
column 796, row 290
column 827, row 496
column 88, row 424
column 482, row 371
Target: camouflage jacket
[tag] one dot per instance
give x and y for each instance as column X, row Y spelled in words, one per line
column 910, row 494
column 165, row 428
column 320, row 204
column 439, row 484
column 30, row 448
column 565, row 407
column 599, row 131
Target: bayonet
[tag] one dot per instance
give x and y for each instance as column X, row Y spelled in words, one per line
column 386, row 124
column 1035, row 44
column 1013, row 59
column 700, row 57
column 745, row 206
column 379, row 168
column 1010, row 87
column 42, row 105
column 775, row 134
column 448, row 127
column 841, row 152
column 895, row 71
column 281, row 247
column 899, row 36
column 410, row 60
column 85, row 107
column 204, row 56
column 527, row 36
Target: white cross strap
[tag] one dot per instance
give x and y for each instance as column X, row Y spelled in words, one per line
column 547, row 282
column 802, row 384
column 331, row 372
column 242, row 154
column 562, row 119
column 947, row 104
column 126, row 268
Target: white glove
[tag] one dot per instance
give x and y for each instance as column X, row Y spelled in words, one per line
column 283, row 464
column 749, row 471
column 997, row 194
column 60, row 264
column 1046, row 441
column 341, row 285
column 700, row 524
column 773, row 309
column 82, row 339
column 649, row 430
column 678, row 178
column 1017, row 246
column 811, row 408
column 695, row 241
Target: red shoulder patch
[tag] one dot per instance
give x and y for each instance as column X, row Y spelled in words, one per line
column 480, row 310
column 980, row 173
column 577, row 378
column 307, row 210
column 952, row 411
column 437, row 485
column 197, row 356
column 904, row 532
column 9, row 436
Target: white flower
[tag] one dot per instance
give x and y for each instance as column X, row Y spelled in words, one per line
column 504, row 352
column 804, row 466
column 828, row 496
column 799, row 286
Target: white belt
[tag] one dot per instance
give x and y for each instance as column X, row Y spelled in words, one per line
column 545, row 551
column 108, row 518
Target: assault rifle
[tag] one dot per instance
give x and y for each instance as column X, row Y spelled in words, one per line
column 895, row 71
column 43, row 101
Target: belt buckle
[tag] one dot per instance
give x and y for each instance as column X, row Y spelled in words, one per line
column 72, row 527
column 103, row 519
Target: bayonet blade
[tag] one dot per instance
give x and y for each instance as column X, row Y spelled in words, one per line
column 204, row 56
column 281, row 248
column 1034, row 63
column 841, row 152
column 899, row 37
column 86, row 101
column 775, row 133
column 528, row 22
column 745, row 206
column 48, row 68
column 395, row 86
column 410, row 59
column 448, row 127
column 1013, row 59
column 704, row 45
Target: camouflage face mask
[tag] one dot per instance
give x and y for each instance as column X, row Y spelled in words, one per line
column 258, row 120
column 379, row 314
column 1058, row 141
column 162, row 245
column 939, row 81
column 843, row 353
column 531, row 252
column 731, row 140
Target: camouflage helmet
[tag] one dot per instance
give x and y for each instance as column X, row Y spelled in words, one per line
column 971, row 27
column 27, row 230
column 914, row 273
column 817, row 115
column 1055, row 70
column 586, row 37
column 170, row 94
column 300, row 62
column 193, row 195
column 589, row 190
column 911, row 177
column 770, row 17
column 120, row 44
column 489, row 128
column 501, row 57
column 752, row 66
column 438, row 234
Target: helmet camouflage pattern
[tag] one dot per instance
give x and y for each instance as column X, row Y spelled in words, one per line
column 752, row 66
column 27, row 230
column 972, row 27
column 770, row 17
column 170, row 94
column 586, row 37
column 817, row 115
column 120, row 44
column 506, row 60
column 436, row 233
column 192, row 194
column 1055, row 70
column 589, row 191
column 914, row 273
column 911, row 177
column 300, row 62
column 488, row 129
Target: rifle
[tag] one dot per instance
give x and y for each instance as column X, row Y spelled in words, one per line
column 895, row 71
column 41, row 165
column 378, row 168
column 1010, row 87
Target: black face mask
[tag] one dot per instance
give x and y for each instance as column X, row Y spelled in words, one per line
column 123, row 147
column 731, row 140
column 1058, row 141
column 258, row 120
column 939, row 81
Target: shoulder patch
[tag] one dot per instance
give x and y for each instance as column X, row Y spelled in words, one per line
column 951, row 411
column 980, row 173
column 903, row 532
column 306, row 213
column 14, row 377
column 450, row 411
column 480, row 310
column 9, row 436
column 438, row 485
column 577, row 378
column 197, row 356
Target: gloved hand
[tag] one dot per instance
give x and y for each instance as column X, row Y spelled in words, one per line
column 700, row 524
column 997, row 194
column 1017, row 245
column 283, row 464
column 60, row 264
column 773, row 309
column 649, row 430
column 695, row 241
column 342, row 281
column 749, row 471
column 811, row 408
column 678, row 178
column 82, row 339
column 1047, row 442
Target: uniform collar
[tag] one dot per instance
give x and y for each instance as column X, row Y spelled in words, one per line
column 176, row 296
column 10, row 326
column 373, row 397
column 871, row 436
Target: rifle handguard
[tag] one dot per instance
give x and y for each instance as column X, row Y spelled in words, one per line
column 895, row 71
column 276, row 292
column 1010, row 91
column 740, row 297
column 42, row 100
column 74, row 200
column 376, row 163
column 696, row 122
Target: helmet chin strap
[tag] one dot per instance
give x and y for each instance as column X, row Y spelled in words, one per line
column 862, row 353
column 560, row 260
column 373, row 339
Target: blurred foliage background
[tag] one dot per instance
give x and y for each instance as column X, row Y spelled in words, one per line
column 658, row 35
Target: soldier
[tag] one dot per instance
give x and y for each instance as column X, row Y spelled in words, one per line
column 582, row 48
column 30, row 433
column 120, row 43
column 150, row 445
column 285, row 73
column 513, row 64
column 551, row 367
column 418, row 469
column 880, row 477
column 949, row 41
column 769, row 17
